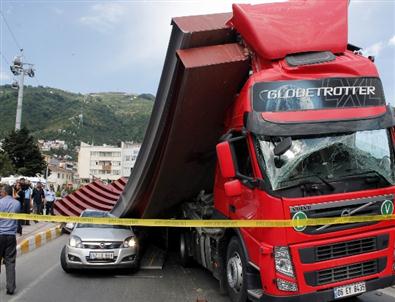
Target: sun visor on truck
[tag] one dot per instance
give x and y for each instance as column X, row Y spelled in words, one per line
column 340, row 104
column 274, row 30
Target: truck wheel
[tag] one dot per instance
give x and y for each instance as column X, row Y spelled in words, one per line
column 236, row 266
column 185, row 259
column 63, row 262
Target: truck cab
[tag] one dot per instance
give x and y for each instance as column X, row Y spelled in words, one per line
column 315, row 146
column 309, row 136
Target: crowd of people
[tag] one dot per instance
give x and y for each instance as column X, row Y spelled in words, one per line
column 37, row 199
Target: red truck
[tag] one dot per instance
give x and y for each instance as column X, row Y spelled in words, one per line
column 268, row 113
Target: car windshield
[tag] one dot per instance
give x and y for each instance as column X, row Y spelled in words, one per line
column 328, row 158
column 99, row 214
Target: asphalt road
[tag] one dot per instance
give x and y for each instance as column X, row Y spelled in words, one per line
column 41, row 279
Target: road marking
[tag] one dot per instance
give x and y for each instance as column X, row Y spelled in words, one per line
column 34, row 283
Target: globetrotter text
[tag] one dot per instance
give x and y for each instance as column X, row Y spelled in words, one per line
column 285, row 93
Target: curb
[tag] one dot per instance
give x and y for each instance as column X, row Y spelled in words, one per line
column 37, row 240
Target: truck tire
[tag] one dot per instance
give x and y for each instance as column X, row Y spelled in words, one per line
column 235, row 271
column 185, row 258
column 63, row 262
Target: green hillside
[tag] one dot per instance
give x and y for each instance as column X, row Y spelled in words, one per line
column 101, row 118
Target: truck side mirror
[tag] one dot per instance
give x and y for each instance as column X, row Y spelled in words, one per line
column 233, row 188
column 283, row 146
column 225, row 160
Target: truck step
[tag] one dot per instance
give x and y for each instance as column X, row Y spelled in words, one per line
column 255, row 294
column 153, row 258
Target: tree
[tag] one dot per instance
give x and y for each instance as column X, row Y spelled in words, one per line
column 24, row 153
column 6, row 166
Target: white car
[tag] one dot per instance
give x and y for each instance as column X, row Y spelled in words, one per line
column 100, row 246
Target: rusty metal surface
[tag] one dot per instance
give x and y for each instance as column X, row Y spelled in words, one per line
column 202, row 22
column 205, row 30
column 211, row 55
column 187, row 164
column 96, row 195
column 180, row 103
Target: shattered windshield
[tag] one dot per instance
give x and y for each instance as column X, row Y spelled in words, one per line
column 328, row 158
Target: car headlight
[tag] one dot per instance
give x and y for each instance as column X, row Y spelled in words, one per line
column 75, row 241
column 283, row 261
column 129, row 242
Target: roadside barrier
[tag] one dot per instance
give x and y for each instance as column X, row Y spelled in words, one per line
column 297, row 223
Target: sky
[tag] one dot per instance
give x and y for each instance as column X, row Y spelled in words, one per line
column 94, row 46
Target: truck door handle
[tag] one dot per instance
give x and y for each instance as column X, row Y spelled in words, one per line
column 232, row 208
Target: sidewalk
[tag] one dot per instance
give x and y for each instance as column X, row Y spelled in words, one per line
column 36, row 235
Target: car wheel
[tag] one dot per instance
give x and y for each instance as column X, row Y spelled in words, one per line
column 136, row 266
column 185, row 258
column 236, row 266
column 63, row 262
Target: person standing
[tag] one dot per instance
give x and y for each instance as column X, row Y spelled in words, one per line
column 26, row 193
column 64, row 192
column 38, row 199
column 49, row 200
column 8, row 228
column 16, row 194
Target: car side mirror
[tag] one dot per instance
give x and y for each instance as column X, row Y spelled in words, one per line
column 225, row 160
column 283, row 146
column 69, row 226
column 233, row 188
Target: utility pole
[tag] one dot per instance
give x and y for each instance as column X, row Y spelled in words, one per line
column 18, row 69
column 18, row 119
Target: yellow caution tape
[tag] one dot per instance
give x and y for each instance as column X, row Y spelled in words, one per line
column 212, row 223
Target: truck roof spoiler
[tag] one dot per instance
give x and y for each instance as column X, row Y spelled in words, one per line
column 324, row 27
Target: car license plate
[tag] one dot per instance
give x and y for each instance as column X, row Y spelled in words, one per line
column 101, row 256
column 349, row 290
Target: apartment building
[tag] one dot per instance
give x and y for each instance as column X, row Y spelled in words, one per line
column 106, row 162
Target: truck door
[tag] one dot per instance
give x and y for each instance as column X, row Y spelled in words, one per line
column 243, row 206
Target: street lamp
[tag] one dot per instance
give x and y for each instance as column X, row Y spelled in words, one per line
column 18, row 69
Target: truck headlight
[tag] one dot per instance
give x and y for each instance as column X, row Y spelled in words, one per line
column 75, row 241
column 130, row 242
column 283, row 261
column 285, row 285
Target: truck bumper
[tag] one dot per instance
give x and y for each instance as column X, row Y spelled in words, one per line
column 325, row 295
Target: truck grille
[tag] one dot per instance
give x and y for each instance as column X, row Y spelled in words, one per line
column 354, row 207
column 345, row 272
column 346, row 249
column 343, row 249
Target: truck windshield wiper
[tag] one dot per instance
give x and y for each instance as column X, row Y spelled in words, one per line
column 367, row 173
column 302, row 181
column 329, row 185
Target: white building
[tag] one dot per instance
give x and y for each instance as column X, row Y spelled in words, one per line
column 60, row 178
column 106, row 162
column 51, row 145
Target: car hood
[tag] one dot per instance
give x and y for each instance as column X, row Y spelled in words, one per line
column 102, row 234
